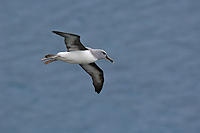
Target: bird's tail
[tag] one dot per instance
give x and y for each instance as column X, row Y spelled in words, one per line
column 51, row 58
column 48, row 56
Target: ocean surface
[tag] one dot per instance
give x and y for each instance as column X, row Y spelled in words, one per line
column 153, row 86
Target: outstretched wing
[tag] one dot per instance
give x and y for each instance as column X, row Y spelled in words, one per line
column 72, row 41
column 97, row 75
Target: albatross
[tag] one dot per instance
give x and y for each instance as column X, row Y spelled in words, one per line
column 77, row 53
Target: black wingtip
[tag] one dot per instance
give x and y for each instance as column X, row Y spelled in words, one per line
column 55, row 32
column 59, row 33
column 98, row 92
column 63, row 34
column 98, row 89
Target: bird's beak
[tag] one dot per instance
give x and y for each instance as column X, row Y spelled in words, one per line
column 108, row 58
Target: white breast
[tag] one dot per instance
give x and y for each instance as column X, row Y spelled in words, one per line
column 77, row 57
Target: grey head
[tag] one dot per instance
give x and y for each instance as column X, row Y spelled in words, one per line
column 100, row 54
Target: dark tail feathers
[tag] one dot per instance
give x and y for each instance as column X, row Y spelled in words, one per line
column 49, row 55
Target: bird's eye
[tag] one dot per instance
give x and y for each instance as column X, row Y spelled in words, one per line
column 104, row 53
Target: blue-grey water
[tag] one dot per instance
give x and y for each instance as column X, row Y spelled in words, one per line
column 153, row 86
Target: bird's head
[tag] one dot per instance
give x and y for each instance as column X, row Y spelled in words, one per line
column 101, row 54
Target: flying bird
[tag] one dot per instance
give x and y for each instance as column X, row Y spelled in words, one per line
column 77, row 53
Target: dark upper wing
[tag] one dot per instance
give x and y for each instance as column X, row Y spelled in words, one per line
column 72, row 41
column 97, row 75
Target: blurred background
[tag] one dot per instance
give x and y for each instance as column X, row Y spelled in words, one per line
column 152, row 87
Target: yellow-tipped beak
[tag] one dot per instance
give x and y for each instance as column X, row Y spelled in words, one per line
column 108, row 58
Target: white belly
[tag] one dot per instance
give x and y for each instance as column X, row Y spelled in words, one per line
column 76, row 57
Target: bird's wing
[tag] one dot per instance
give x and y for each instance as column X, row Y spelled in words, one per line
column 97, row 75
column 72, row 41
